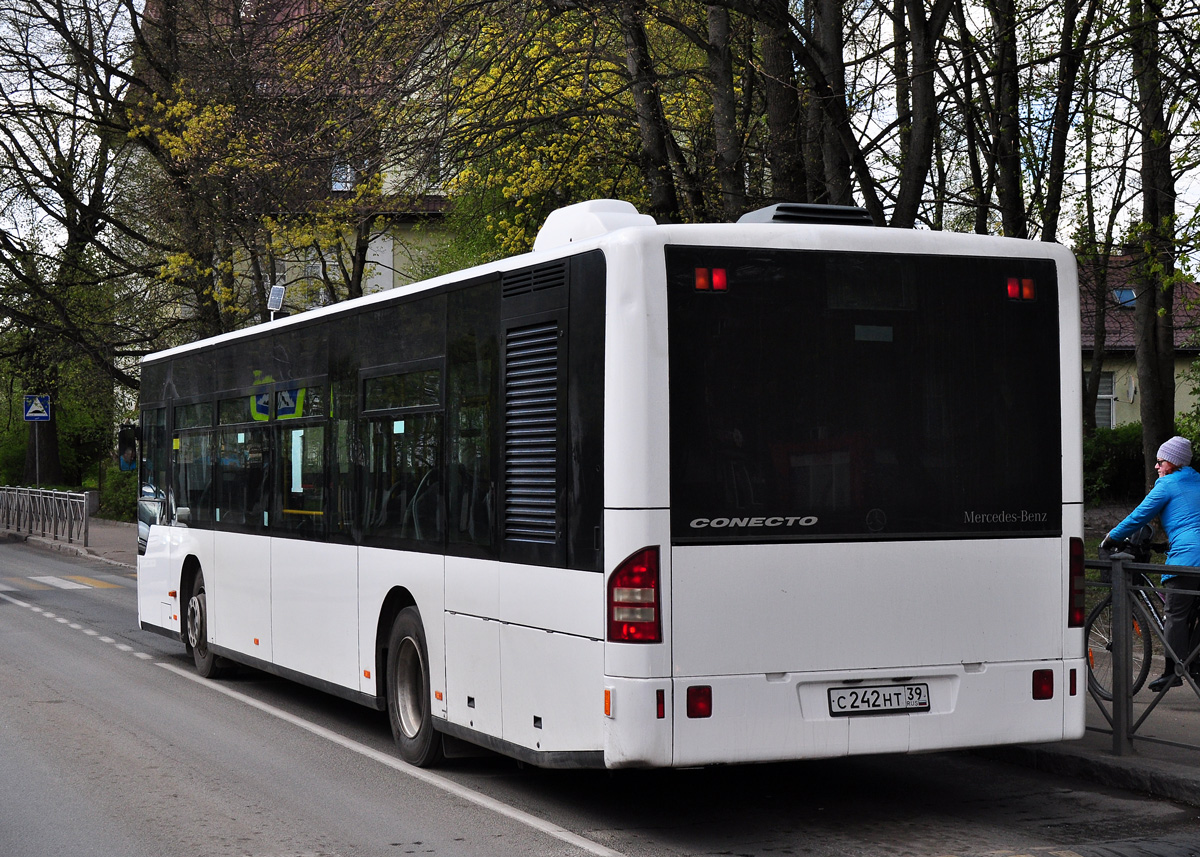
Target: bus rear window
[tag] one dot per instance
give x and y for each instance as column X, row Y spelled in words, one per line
column 833, row 396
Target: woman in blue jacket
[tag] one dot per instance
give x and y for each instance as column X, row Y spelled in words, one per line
column 1175, row 501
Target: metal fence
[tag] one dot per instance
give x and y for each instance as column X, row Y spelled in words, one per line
column 57, row 514
column 1130, row 619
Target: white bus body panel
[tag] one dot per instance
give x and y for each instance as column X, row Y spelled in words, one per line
column 553, row 689
column 240, row 617
column 157, row 579
column 473, row 673
column 846, row 606
column 314, row 609
column 766, row 627
column 636, row 439
column 524, row 653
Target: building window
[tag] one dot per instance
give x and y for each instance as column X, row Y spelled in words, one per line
column 1125, row 298
column 343, row 176
column 1106, row 402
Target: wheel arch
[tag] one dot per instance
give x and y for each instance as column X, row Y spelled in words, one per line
column 188, row 575
column 397, row 599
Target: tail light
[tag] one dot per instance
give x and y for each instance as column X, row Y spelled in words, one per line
column 1077, row 606
column 634, row 607
column 1043, row 684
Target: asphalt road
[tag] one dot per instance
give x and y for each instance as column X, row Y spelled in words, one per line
column 110, row 746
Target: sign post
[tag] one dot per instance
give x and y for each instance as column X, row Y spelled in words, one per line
column 37, row 410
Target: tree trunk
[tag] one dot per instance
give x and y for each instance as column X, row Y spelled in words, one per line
column 924, row 34
column 655, row 160
column 830, row 45
column 785, row 146
column 1070, row 62
column 1153, row 313
column 725, row 133
column 1009, row 191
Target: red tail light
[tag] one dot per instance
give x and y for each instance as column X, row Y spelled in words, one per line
column 699, row 701
column 1077, row 606
column 1043, row 684
column 634, row 614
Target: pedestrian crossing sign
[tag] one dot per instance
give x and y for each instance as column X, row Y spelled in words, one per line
column 37, row 409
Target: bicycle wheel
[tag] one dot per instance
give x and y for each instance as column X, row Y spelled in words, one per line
column 1099, row 650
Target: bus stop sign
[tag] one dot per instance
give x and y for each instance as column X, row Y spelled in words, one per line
column 37, row 409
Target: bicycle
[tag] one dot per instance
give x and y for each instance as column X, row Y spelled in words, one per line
column 1099, row 627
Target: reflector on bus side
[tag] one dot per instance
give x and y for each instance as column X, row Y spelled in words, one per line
column 699, row 701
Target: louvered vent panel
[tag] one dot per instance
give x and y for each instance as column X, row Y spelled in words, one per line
column 530, row 448
column 533, row 280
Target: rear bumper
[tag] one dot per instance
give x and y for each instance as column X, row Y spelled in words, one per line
column 760, row 718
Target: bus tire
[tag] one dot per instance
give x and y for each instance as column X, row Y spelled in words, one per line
column 408, row 691
column 208, row 665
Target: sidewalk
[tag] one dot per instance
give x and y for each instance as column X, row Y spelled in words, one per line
column 1162, row 771
column 110, row 541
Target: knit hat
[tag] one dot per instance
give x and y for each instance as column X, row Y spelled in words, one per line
column 1177, row 450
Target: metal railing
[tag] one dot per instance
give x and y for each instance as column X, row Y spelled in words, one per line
column 1129, row 613
column 34, row 511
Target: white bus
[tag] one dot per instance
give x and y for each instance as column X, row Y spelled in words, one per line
column 650, row 495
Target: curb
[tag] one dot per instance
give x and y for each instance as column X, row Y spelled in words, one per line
column 63, row 547
column 1132, row 773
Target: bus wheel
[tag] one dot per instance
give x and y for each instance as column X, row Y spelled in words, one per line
column 207, row 664
column 408, row 691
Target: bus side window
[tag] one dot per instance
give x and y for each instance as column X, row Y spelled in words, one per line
column 472, row 367
column 471, row 502
column 403, row 482
column 193, row 479
column 243, row 480
column 300, row 503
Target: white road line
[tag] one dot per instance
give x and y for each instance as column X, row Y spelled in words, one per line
column 77, row 627
column 60, row 583
column 424, row 776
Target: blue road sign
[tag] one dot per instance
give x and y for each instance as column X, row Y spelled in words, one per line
column 37, row 409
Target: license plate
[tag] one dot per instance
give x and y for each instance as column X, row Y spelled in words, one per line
column 878, row 699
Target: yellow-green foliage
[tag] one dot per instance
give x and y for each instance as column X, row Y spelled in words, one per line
column 552, row 124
